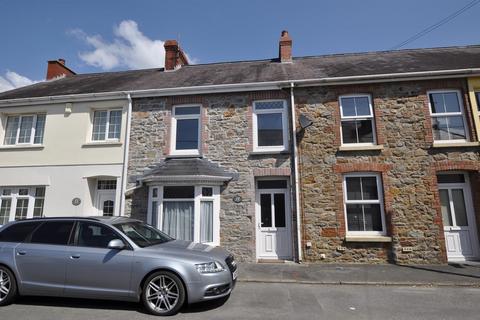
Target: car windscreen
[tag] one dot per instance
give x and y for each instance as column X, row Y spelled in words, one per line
column 142, row 234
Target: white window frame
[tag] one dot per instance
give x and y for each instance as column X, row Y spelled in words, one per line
column 448, row 114
column 379, row 201
column 173, row 132
column 107, row 127
column 32, row 133
column 198, row 198
column 14, row 196
column 283, row 111
column 477, row 97
column 371, row 117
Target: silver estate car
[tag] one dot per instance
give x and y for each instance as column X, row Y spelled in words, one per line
column 110, row 258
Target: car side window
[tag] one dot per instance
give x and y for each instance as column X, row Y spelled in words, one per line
column 95, row 235
column 18, row 232
column 53, row 232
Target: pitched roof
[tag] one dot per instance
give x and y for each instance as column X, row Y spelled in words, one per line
column 335, row 65
column 186, row 169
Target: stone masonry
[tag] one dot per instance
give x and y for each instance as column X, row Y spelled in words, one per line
column 408, row 165
column 226, row 139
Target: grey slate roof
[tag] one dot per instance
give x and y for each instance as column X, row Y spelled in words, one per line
column 187, row 167
column 337, row 65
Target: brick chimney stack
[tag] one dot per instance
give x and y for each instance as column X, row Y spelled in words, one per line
column 174, row 55
column 57, row 68
column 285, row 47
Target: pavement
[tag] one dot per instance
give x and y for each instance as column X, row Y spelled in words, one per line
column 453, row 274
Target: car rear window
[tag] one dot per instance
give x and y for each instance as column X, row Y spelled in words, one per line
column 53, row 232
column 18, row 232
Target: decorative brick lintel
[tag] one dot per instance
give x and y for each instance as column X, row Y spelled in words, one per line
column 361, row 167
column 448, row 165
column 264, row 172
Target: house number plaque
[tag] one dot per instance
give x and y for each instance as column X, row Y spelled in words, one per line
column 76, row 201
column 237, row 199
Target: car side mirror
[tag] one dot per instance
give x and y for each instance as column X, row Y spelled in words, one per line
column 116, row 244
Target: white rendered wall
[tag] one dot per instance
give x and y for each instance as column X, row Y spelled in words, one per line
column 63, row 184
column 67, row 137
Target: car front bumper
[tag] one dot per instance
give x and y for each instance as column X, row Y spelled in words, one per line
column 214, row 285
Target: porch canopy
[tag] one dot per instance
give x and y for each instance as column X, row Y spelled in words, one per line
column 186, row 170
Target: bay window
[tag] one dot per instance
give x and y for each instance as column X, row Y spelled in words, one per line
column 24, row 129
column 188, row 213
column 270, row 126
column 448, row 121
column 18, row 203
column 363, row 204
column 357, row 120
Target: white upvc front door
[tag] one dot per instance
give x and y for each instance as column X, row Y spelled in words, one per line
column 458, row 216
column 273, row 224
column 105, row 202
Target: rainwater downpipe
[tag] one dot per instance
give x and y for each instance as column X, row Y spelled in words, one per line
column 296, row 174
column 125, row 155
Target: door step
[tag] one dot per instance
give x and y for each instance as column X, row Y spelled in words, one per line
column 270, row 261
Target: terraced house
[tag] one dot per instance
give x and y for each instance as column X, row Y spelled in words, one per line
column 60, row 155
column 366, row 157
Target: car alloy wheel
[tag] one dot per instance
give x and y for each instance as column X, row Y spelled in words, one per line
column 8, row 287
column 5, row 285
column 163, row 293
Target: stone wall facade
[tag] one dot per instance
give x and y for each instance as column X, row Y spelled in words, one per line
column 408, row 164
column 226, row 140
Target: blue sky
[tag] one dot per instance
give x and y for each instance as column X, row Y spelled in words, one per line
column 94, row 36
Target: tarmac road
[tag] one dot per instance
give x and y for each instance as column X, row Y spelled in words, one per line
column 277, row 301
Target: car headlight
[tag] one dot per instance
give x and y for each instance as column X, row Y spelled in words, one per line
column 209, row 267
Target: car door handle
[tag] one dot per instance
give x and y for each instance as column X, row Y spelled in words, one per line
column 75, row 256
column 21, row 253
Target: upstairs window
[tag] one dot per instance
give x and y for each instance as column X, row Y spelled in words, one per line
column 186, row 130
column 357, row 120
column 477, row 96
column 24, row 129
column 107, row 125
column 363, row 204
column 448, row 122
column 270, row 125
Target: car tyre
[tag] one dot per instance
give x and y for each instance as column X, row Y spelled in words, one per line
column 8, row 286
column 163, row 293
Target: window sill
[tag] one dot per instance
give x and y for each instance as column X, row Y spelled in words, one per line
column 184, row 155
column 368, row 239
column 454, row 144
column 260, row 152
column 361, row 148
column 102, row 144
column 23, row 147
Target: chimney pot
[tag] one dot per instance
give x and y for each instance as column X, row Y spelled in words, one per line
column 285, row 47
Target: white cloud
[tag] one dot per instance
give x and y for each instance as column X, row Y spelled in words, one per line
column 130, row 48
column 12, row 80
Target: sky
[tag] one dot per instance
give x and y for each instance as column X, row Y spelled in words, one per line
column 112, row 35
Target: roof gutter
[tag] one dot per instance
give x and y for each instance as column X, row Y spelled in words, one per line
column 239, row 87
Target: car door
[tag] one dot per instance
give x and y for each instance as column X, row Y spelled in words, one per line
column 41, row 259
column 93, row 270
